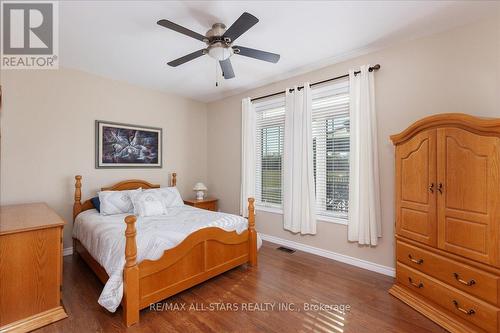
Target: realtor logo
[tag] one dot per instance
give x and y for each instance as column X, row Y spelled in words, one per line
column 29, row 35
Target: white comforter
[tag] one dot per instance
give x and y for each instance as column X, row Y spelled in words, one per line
column 104, row 238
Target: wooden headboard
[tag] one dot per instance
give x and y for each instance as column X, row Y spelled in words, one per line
column 125, row 185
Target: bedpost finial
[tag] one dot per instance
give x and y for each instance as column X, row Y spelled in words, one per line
column 78, row 186
column 252, row 233
column 251, row 212
column 130, row 219
column 77, row 205
column 174, row 178
column 130, row 243
column 78, row 182
column 251, row 203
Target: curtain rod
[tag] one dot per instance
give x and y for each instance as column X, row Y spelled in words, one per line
column 371, row 69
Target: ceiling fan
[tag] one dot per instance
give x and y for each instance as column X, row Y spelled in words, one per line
column 219, row 43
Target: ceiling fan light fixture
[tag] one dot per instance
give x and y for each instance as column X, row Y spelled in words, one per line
column 219, row 52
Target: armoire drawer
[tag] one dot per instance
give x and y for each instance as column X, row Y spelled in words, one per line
column 464, row 277
column 471, row 309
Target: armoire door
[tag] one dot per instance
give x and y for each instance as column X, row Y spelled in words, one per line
column 468, row 194
column 416, row 188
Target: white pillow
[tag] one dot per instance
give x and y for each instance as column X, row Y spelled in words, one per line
column 170, row 196
column 148, row 203
column 116, row 202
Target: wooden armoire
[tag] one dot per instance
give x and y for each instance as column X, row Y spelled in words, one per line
column 448, row 221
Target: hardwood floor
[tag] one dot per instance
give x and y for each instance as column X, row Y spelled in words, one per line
column 299, row 279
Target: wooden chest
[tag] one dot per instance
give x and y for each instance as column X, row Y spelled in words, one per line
column 30, row 267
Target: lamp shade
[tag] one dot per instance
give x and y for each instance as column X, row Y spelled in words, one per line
column 199, row 187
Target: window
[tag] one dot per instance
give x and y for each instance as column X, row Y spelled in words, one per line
column 270, row 126
column 330, row 130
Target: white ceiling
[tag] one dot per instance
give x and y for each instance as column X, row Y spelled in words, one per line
column 121, row 40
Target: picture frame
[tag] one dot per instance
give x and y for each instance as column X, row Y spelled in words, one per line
column 119, row 145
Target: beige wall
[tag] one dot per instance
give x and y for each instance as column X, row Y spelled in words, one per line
column 47, row 126
column 455, row 71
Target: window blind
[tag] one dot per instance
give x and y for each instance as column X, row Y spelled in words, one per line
column 330, row 128
column 270, row 126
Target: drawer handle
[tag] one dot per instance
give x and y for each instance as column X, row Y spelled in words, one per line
column 416, row 261
column 416, row 285
column 431, row 188
column 467, row 312
column 467, row 283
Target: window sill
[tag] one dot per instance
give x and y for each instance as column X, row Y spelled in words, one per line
column 335, row 220
column 274, row 210
column 327, row 219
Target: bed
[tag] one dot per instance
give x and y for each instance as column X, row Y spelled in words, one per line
column 195, row 251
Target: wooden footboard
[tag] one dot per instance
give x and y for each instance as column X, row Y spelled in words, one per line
column 202, row 255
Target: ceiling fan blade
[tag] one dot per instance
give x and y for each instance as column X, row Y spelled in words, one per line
column 242, row 24
column 227, row 68
column 173, row 26
column 186, row 58
column 257, row 54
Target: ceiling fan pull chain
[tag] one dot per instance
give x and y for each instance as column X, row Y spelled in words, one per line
column 216, row 75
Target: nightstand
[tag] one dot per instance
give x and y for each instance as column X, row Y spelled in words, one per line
column 207, row 203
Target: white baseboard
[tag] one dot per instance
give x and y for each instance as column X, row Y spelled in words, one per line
column 371, row 266
column 68, row 251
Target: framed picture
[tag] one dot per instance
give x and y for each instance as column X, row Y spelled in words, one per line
column 127, row 146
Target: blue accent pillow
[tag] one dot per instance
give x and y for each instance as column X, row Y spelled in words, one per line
column 97, row 204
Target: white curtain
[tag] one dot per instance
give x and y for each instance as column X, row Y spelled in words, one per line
column 247, row 154
column 299, row 203
column 364, row 186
